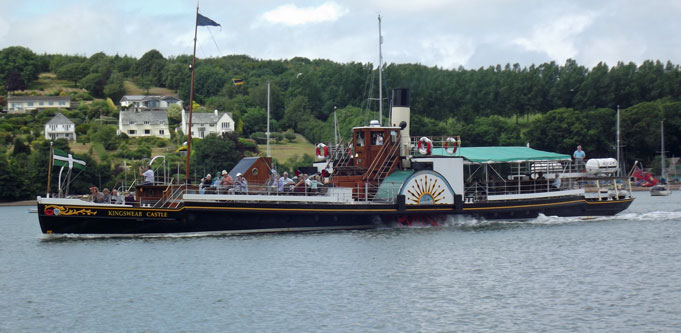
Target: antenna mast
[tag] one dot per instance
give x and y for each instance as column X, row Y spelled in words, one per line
column 380, row 70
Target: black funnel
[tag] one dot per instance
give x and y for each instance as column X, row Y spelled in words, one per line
column 401, row 97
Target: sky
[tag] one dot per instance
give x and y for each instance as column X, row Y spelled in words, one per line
column 443, row 33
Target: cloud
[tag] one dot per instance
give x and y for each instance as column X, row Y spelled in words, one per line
column 557, row 38
column 613, row 49
column 292, row 15
column 447, row 51
column 4, row 28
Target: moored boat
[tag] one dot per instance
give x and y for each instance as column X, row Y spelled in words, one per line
column 662, row 188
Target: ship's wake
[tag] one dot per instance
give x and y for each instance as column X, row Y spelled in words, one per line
column 473, row 223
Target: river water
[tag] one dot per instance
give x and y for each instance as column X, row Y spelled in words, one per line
column 614, row 274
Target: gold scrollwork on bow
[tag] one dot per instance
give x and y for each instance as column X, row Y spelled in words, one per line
column 60, row 210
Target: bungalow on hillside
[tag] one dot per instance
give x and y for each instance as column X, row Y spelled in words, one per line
column 24, row 104
column 60, row 127
column 146, row 123
column 204, row 123
column 144, row 102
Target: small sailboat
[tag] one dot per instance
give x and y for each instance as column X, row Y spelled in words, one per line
column 662, row 188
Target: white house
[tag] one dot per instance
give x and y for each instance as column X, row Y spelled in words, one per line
column 60, row 127
column 144, row 102
column 23, row 104
column 204, row 123
column 144, row 123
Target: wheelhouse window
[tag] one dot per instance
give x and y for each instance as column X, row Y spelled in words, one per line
column 359, row 138
column 377, row 138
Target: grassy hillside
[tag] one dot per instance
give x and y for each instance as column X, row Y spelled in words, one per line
column 48, row 83
column 286, row 150
column 132, row 89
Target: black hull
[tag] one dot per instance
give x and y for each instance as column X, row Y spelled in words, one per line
column 223, row 217
column 531, row 208
column 277, row 217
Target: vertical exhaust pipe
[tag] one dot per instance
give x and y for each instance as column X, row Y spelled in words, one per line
column 400, row 117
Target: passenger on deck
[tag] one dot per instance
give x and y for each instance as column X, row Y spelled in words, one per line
column 106, row 196
column 283, row 181
column 95, row 196
column 240, row 184
column 303, row 183
column 271, row 183
column 205, row 184
column 148, row 175
column 557, row 182
column 227, row 182
column 115, row 197
column 315, row 183
column 130, row 198
column 217, row 179
column 579, row 156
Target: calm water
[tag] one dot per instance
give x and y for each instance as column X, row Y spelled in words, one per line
column 548, row 274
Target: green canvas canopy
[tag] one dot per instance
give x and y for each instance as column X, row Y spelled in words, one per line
column 502, row 154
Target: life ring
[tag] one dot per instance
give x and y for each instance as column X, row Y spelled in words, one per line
column 451, row 145
column 322, row 151
column 425, row 146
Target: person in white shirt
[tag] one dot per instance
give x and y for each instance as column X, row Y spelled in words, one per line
column 147, row 175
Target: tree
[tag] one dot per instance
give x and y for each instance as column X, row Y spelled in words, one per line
column 19, row 67
column 72, row 72
column 208, row 82
column 104, row 134
column 20, row 147
column 97, row 109
column 297, row 110
column 145, row 82
column 10, row 179
column 14, row 81
column 151, row 65
column 214, row 152
column 258, row 97
column 174, row 115
column 94, row 83
column 255, row 120
column 114, row 87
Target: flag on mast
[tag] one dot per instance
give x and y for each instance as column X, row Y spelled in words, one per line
column 204, row 21
column 63, row 159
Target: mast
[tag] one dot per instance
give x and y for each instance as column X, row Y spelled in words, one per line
column 335, row 127
column 49, row 171
column 191, row 99
column 268, row 120
column 380, row 71
column 618, row 141
column 662, row 150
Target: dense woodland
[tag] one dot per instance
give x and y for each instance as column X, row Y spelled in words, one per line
column 551, row 106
